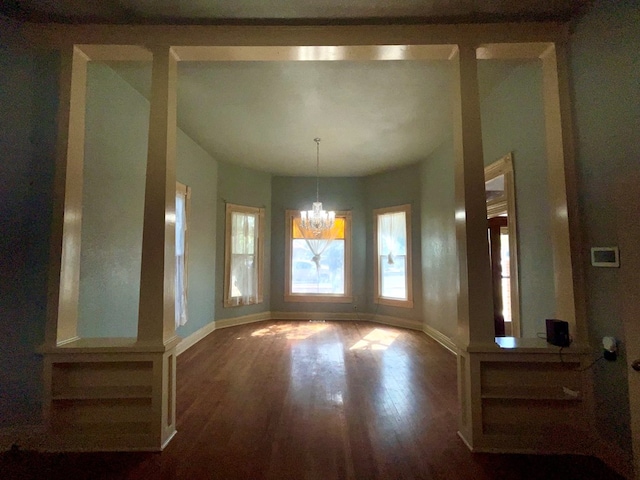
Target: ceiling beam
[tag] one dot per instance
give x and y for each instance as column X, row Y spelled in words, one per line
column 55, row 36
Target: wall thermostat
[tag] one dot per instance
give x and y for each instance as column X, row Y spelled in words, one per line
column 605, row 257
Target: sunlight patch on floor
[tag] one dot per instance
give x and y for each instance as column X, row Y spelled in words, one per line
column 290, row 331
column 377, row 339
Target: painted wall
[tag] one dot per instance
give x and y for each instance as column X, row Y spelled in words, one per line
column 439, row 259
column 296, row 193
column 29, row 100
column 605, row 68
column 115, row 161
column 251, row 188
column 116, row 130
column 513, row 121
column 196, row 169
column 388, row 189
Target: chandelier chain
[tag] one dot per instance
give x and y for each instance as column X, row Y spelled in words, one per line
column 317, row 220
column 317, row 140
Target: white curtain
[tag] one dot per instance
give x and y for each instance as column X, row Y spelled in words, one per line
column 181, row 287
column 244, row 271
column 316, row 244
column 392, row 235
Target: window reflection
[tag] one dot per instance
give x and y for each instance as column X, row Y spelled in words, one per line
column 318, row 367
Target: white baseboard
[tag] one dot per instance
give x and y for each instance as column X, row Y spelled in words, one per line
column 25, row 437
column 441, row 338
column 233, row 322
column 188, row 342
column 355, row 316
column 315, row 316
column 396, row 322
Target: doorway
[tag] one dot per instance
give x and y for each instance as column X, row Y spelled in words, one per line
column 503, row 241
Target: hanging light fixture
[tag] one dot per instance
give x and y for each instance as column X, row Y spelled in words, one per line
column 317, row 220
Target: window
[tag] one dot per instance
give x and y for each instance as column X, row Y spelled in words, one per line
column 244, row 251
column 318, row 268
column 392, row 263
column 183, row 207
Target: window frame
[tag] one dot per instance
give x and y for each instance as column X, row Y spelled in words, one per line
column 378, row 298
column 230, row 302
column 347, row 296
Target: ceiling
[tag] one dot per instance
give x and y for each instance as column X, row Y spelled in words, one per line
column 220, row 11
column 372, row 116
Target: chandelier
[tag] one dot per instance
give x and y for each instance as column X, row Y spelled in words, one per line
column 317, row 220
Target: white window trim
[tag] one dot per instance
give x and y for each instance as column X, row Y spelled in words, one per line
column 377, row 298
column 233, row 301
column 347, row 297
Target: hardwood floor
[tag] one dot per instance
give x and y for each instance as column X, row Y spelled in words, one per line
column 307, row 400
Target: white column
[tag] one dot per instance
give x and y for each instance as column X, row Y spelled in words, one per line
column 156, row 320
column 475, row 305
column 563, row 197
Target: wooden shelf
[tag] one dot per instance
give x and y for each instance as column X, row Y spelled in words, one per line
column 530, row 393
column 106, row 393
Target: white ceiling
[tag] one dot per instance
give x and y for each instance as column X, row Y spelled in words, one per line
column 371, row 115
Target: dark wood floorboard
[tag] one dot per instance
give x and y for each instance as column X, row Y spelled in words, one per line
column 307, row 400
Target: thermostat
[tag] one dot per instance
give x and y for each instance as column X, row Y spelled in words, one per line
column 605, row 257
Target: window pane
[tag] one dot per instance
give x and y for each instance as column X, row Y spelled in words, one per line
column 392, row 255
column 325, row 275
column 393, row 275
column 243, row 269
column 243, row 276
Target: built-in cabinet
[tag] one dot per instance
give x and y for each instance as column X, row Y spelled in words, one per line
column 109, row 394
column 531, row 397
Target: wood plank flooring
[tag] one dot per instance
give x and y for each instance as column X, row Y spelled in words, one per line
column 311, row 400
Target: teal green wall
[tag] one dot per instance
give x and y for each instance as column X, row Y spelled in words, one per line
column 29, row 102
column 117, row 126
column 196, row 169
column 388, row 189
column 251, row 188
column 439, row 246
column 297, row 193
column 513, row 121
column 605, row 71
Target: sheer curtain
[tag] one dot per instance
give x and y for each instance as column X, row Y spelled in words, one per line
column 392, row 235
column 181, row 286
column 244, row 271
column 317, row 244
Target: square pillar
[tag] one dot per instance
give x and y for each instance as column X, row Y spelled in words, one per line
column 563, row 195
column 156, row 320
column 475, row 305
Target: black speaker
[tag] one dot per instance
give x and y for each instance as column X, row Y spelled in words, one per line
column 558, row 332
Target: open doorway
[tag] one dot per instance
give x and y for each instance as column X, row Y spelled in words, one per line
column 502, row 233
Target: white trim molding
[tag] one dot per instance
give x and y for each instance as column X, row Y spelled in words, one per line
column 188, row 342
column 233, row 322
column 441, row 338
